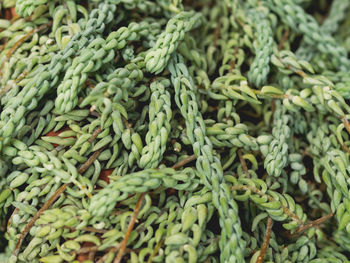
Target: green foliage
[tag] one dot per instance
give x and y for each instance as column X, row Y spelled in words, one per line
column 174, row 131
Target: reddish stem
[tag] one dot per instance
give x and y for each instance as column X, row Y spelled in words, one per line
column 266, row 240
column 129, row 230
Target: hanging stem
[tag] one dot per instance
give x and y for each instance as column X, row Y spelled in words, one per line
column 27, row 228
column 51, row 200
column 129, row 230
column 266, row 240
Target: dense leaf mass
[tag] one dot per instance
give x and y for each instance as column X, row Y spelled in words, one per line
column 174, row 131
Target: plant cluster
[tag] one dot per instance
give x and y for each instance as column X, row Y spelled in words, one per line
column 174, row 131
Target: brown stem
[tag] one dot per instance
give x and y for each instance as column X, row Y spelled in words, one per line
column 36, row 216
column 346, row 124
column 103, row 259
column 346, row 148
column 126, row 123
column 286, row 210
column 284, row 39
column 49, row 202
column 122, row 246
column 266, row 240
column 184, row 161
column 273, row 109
column 88, row 163
column 95, row 134
column 244, row 164
column 91, row 256
column 129, row 230
column 314, row 223
column 297, row 71
column 233, row 63
column 217, row 33
column 85, row 250
column 89, row 229
column 117, row 57
column 19, row 42
column 155, row 251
